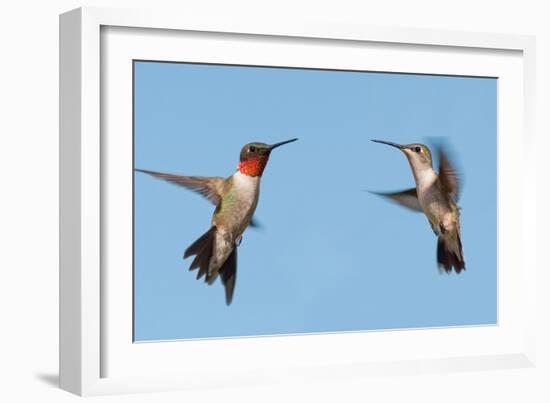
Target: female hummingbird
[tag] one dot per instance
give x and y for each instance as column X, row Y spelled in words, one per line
column 436, row 195
column 236, row 198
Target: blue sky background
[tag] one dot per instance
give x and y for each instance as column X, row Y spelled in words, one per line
column 330, row 257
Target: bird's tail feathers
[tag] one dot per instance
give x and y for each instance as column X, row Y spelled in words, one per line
column 202, row 248
column 449, row 253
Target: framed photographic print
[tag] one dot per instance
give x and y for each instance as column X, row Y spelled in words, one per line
column 243, row 202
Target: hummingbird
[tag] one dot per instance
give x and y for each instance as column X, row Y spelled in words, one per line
column 235, row 198
column 436, row 195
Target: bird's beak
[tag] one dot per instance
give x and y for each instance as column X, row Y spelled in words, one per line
column 271, row 147
column 399, row 146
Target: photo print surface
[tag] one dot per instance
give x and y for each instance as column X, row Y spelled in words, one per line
column 333, row 245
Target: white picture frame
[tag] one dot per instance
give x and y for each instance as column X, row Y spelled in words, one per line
column 96, row 354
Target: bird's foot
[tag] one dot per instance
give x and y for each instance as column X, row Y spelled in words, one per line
column 238, row 240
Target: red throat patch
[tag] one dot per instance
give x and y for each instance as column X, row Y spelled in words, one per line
column 253, row 166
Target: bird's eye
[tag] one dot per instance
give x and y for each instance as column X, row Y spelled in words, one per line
column 252, row 149
column 417, row 149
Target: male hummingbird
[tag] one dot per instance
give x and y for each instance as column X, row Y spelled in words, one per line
column 236, row 198
column 436, row 195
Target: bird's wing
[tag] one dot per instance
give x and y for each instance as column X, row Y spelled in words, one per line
column 210, row 187
column 254, row 223
column 406, row 198
column 448, row 176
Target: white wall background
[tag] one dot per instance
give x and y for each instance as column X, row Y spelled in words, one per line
column 29, row 200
